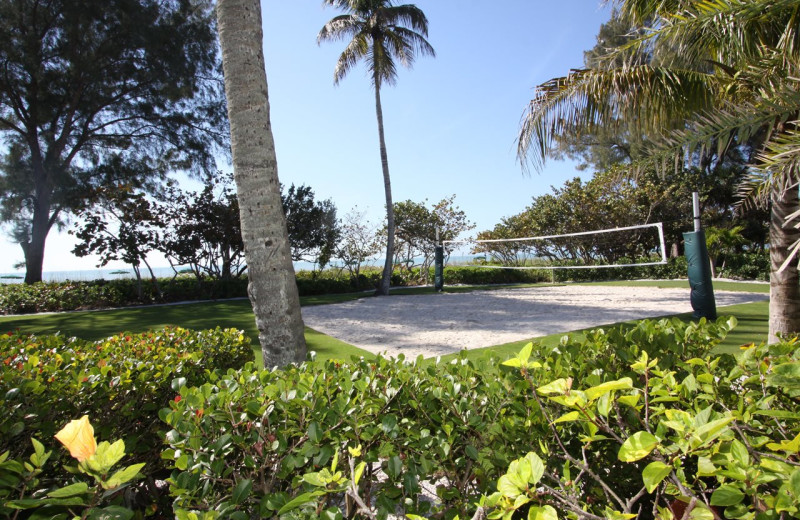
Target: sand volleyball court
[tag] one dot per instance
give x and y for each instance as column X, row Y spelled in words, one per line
column 439, row 324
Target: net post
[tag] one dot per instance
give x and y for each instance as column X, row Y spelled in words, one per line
column 701, row 294
column 438, row 262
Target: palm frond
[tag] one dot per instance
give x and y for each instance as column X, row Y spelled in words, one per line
column 646, row 98
column 381, row 33
column 339, row 28
column 357, row 49
column 407, row 15
column 722, row 33
column 381, row 65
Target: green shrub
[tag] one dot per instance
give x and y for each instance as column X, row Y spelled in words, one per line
column 297, row 441
column 62, row 296
column 120, row 382
column 474, row 275
column 747, row 266
column 703, row 438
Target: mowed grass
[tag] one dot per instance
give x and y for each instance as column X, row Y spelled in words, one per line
column 92, row 325
column 752, row 327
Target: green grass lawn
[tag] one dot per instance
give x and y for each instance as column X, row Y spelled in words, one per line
column 753, row 320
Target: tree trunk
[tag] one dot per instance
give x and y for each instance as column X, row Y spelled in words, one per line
column 388, row 264
column 272, row 287
column 784, row 291
column 33, row 249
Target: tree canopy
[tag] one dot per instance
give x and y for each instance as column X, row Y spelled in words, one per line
column 722, row 73
column 96, row 94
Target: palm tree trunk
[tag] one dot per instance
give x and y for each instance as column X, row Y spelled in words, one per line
column 784, row 291
column 386, row 279
column 272, row 287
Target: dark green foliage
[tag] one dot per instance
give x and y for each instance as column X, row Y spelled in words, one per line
column 48, row 297
column 67, row 296
column 120, row 383
column 296, row 439
column 97, row 94
column 202, row 230
column 312, row 225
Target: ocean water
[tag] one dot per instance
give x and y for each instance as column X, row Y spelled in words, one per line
column 161, row 272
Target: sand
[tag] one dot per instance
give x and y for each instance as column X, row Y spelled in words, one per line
column 439, row 324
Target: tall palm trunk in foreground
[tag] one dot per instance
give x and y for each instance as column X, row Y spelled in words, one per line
column 784, row 290
column 272, row 288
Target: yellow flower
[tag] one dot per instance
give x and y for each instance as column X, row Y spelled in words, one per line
column 78, row 438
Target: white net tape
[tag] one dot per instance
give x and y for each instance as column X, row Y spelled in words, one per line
column 616, row 247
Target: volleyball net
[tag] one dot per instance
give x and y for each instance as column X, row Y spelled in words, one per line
column 629, row 246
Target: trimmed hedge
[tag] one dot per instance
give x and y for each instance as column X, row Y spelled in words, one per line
column 120, row 383
column 264, row 443
column 67, row 296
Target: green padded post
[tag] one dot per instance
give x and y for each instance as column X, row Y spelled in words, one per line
column 438, row 269
column 702, row 292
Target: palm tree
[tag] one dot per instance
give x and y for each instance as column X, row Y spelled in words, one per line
column 723, row 242
column 272, row 287
column 723, row 72
column 379, row 33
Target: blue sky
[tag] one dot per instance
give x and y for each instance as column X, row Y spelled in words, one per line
column 451, row 121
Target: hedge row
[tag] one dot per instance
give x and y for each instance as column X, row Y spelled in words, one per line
column 637, row 421
column 120, row 382
column 67, row 296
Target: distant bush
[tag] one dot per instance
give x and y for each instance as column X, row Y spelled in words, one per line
column 746, row 266
column 98, row 294
column 67, row 296
column 60, row 296
column 120, row 382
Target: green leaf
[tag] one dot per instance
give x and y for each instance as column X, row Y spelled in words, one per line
column 509, row 485
column 178, row 383
column 110, row 513
column 78, row 488
column 610, row 386
column 359, row 471
column 568, row 417
column 786, row 375
column 705, row 468
column 542, row 513
column 629, row 400
column 314, row 479
column 792, row 446
column 314, row 433
column 638, row 446
column 740, row 454
column 107, row 455
column 654, row 473
column 122, row 476
column 535, row 467
column 794, row 483
column 525, row 353
column 38, row 447
column 394, row 467
column 727, row 495
column 242, row 491
column 701, row 512
column 559, row 386
column 299, row 500
column 471, row 452
column 710, row 431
